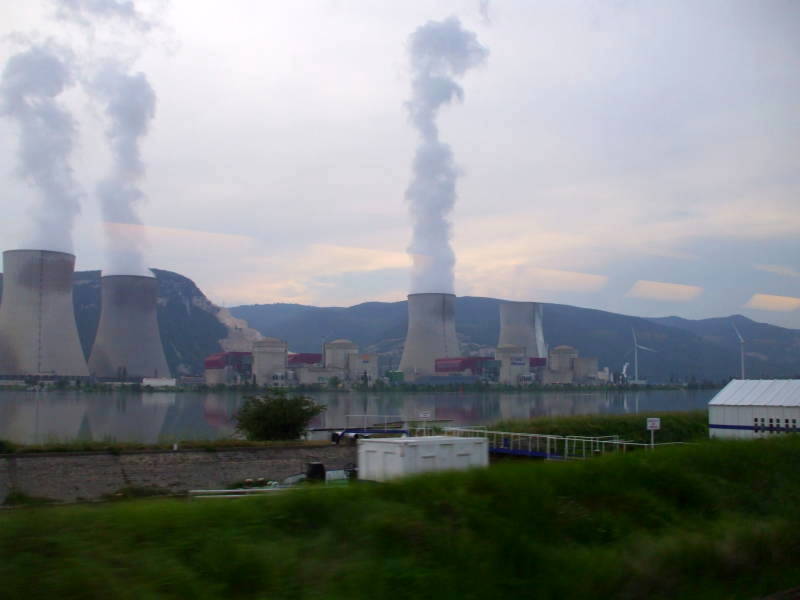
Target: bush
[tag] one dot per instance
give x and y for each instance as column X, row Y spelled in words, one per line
column 276, row 416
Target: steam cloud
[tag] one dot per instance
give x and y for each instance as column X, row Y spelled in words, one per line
column 129, row 103
column 31, row 82
column 83, row 11
column 130, row 107
column 439, row 52
column 483, row 9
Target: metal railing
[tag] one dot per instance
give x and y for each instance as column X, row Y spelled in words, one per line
column 553, row 447
column 374, row 421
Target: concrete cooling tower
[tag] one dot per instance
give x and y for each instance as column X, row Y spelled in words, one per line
column 431, row 333
column 521, row 325
column 128, row 342
column 38, row 335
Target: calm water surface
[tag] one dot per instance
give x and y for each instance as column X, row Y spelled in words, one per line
column 36, row 417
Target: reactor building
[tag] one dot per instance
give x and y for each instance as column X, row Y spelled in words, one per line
column 431, row 333
column 38, row 334
column 521, row 325
column 128, row 341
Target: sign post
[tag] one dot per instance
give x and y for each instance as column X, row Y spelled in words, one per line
column 653, row 425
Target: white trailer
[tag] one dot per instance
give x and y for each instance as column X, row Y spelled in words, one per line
column 381, row 459
column 747, row 409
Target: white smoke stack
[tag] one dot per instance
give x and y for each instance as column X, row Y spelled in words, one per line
column 31, row 82
column 431, row 333
column 521, row 326
column 439, row 51
column 38, row 335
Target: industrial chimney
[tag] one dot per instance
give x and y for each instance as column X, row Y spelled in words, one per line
column 128, row 342
column 521, row 325
column 38, row 335
column 431, row 333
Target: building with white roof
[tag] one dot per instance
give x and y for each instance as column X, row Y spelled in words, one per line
column 755, row 409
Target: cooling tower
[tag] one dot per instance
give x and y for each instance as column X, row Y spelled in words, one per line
column 431, row 333
column 521, row 325
column 128, row 342
column 38, row 335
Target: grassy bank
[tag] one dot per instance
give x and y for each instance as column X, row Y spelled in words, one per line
column 7, row 447
column 675, row 426
column 706, row 521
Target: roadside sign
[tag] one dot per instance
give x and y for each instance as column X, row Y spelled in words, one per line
column 653, row 425
column 425, row 414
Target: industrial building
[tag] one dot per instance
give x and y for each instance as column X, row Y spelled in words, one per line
column 431, row 334
column 514, row 365
column 128, row 340
column 227, row 368
column 481, row 367
column 271, row 364
column 337, row 353
column 755, row 409
column 38, row 334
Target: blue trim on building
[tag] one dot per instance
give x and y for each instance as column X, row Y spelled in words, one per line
column 760, row 428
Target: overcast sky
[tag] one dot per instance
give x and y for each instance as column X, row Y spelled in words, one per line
column 638, row 157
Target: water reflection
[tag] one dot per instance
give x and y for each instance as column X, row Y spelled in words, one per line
column 38, row 417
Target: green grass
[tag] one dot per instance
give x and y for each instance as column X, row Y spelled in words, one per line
column 704, row 521
column 7, row 447
column 687, row 426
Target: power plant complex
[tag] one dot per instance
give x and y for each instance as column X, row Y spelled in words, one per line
column 39, row 335
column 39, row 339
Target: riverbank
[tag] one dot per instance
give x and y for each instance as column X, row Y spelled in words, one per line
column 715, row 520
column 69, row 476
column 684, row 426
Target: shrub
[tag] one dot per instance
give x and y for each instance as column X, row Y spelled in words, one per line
column 276, row 416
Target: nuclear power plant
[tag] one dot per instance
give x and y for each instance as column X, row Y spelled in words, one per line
column 38, row 334
column 128, row 341
column 521, row 325
column 431, row 333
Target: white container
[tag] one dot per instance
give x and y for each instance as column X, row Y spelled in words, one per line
column 380, row 459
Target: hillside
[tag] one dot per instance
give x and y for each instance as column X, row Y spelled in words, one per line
column 700, row 350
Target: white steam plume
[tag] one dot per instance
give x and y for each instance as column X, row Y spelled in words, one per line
column 83, row 12
column 31, row 82
column 129, row 102
column 439, row 51
column 130, row 105
column 483, row 9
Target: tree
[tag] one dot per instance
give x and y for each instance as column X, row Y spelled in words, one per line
column 275, row 416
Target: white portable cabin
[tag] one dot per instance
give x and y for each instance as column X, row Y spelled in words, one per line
column 380, row 459
column 755, row 409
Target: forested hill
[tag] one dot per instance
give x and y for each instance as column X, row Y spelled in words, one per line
column 684, row 349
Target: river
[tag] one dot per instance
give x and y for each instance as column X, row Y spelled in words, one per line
column 30, row 417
